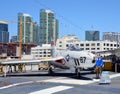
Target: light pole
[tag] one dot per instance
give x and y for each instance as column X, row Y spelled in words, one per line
column 117, row 48
column 20, row 39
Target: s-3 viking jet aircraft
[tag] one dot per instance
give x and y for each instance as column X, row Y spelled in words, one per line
column 64, row 59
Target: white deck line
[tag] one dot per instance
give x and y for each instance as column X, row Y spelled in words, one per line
column 115, row 75
column 77, row 81
column 13, row 85
column 51, row 90
column 72, row 81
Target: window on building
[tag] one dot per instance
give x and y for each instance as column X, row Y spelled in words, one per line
column 82, row 48
column 87, row 44
column 81, row 44
column 36, row 55
column 44, row 52
column 40, row 52
column 93, row 44
column 60, row 45
column 92, row 48
column 49, row 52
column 111, row 44
column 115, row 45
column 98, row 48
column 98, row 44
column 107, row 44
column 104, row 44
column 87, row 49
column 48, row 55
column 60, row 41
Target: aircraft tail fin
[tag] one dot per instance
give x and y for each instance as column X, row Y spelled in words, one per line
column 53, row 48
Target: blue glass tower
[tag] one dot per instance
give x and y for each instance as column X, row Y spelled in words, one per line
column 4, row 34
column 92, row 35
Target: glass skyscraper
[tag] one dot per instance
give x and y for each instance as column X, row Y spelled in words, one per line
column 48, row 27
column 4, row 34
column 92, row 35
column 111, row 36
column 27, row 28
column 13, row 38
column 36, row 34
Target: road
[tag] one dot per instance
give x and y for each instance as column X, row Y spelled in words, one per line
column 61, row 83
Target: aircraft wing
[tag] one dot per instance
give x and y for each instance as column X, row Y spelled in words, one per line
column 58, row 61
column 7, row 62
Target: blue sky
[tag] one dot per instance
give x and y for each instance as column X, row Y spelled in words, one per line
column 75, row 16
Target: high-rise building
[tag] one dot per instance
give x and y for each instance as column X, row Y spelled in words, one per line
column 92, row 35
column 48, row 27
column 14, row 38
column 4, row 34
column 27, row 27
column 36, row 34
column 111, row 36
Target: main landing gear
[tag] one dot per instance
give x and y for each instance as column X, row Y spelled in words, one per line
column 50, row 70
column 77, row 71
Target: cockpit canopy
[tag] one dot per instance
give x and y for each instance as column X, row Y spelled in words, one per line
column 73, row 47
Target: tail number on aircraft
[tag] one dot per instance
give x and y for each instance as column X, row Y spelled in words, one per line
column 82, row 59
column 78, row 61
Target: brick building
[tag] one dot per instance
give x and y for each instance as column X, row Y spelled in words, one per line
column 10, row 49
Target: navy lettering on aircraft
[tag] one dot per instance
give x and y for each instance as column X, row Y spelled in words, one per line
column 76, row 61
column 80, row 60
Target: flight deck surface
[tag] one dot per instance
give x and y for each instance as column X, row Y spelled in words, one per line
column 61, row 83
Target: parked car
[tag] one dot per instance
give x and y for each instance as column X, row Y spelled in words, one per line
column 42, row 66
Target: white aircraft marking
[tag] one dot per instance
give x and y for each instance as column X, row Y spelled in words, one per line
column 51, row 90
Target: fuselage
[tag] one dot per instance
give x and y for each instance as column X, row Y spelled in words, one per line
column 81, row 59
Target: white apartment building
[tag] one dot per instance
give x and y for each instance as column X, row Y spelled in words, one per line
column 41, row 52
column 92, row 46
column 64, row 42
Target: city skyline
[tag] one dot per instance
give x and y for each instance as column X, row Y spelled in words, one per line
column 74, row 17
